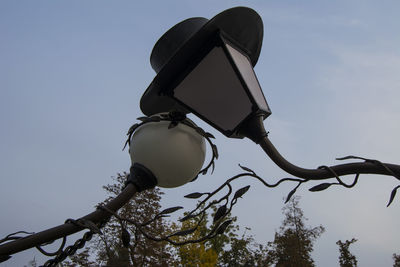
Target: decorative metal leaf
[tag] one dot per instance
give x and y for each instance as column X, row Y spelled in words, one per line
column 220, row 213
column 291, row 193
column 201, row 131
column 241, row 192
column 194, row 195
column 187, row 217
column 144, row 119
column 209, row 135
column 155, row 119
column 129, row 134
column 195, row 178
column 184, row 232
column 320, row 187
column 246, row 169
column 125, row 237
column 392, row 195
column 221, row 229
column 133, row 128
column 212, row 167
column 170, row 210
column 126, row 143
column 215, row 151
column 344, row 158
column 354, row 157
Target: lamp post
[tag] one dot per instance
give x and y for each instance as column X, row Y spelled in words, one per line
column 204, row 67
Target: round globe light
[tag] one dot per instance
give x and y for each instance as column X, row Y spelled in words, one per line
column 174, row 156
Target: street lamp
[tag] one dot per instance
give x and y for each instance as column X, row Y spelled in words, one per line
column 206, row 67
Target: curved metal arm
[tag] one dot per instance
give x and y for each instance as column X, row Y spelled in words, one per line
column 66, row 229
column 320, row 174
column 254, row 129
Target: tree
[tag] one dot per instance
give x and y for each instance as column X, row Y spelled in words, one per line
column 227, row 249
column 206, row 253
column 245, row 252
column 396, row 258
column 346, row 259
column 108, row 249
column 294, row 241
column 80, row 259
column 196, row 254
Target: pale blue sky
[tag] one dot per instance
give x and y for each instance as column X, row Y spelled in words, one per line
column 72, row 74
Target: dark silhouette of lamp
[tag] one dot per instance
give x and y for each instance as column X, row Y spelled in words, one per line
column 206, row 67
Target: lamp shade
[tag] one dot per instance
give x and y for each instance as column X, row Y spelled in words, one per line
column 174, row 156
column 206, row 67
column 222, row 88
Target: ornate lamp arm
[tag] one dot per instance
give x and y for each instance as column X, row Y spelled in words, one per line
column 367, row 167
column 97, row 217
column 254, row 130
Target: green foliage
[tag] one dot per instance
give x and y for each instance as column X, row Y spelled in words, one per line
column 80, row 259
column 204, row 253
column 294, row 241
column 346, row 259
column 195, row 254
column 396, row 259
column 244, row 251
column 227, row 249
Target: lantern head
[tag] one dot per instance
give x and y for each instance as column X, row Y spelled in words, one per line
column 206, row 67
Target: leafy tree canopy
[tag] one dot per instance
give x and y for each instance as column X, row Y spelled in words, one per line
column 294, row 241
column 346, row 259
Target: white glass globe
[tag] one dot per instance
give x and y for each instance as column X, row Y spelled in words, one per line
column 175, row 156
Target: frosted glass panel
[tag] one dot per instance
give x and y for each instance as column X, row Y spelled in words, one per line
column 215, row 92
column 246, row 69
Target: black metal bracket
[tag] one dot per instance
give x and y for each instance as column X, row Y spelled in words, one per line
column 253, row 128
column 141, row 177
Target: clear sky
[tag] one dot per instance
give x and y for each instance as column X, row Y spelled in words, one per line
column 72, row 74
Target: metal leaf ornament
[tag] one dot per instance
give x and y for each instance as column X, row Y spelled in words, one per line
column 392, row 195
column 125, row 238
column 221, row 229
column 239, row 193
column 194, row 195
column 246, row 169
column 170, row 210
column 188, row 217
column 221, row 212
column 289, row 196
column 183, row 232
column 320, row 187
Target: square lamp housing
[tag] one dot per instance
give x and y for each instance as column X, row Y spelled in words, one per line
column 219, row 85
